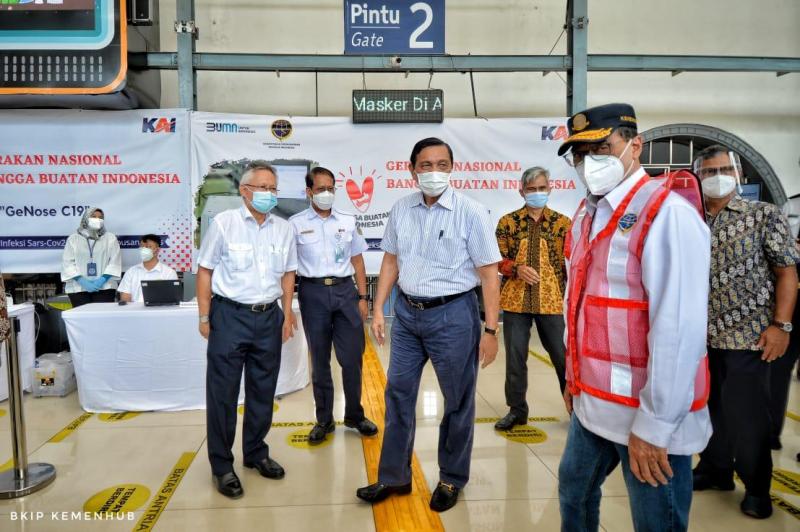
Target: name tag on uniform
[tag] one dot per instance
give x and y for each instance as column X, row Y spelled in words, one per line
column 307, row 232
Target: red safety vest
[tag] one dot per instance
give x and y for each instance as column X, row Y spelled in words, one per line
column 607, row 313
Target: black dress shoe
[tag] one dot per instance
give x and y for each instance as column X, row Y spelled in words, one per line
column 509, row 422
column 702, row 481
column 267, row 468
column 378, row 491
column 775, row 443
column 228, row 485
column 318, row 433
column 365, row 426
column 757, row 507
column 444, row 497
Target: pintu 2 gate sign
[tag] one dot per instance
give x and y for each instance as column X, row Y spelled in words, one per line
column 393, row 27
column 373, row 106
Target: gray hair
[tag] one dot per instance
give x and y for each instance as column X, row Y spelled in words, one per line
column 532, row 173
column 253, row 166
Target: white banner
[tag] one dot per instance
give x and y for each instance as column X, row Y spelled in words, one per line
column 55, row 164
column 371, row 162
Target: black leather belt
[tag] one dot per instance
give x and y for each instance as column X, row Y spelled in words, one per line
column 425, row 303
column 258, row 307
column 327, row 281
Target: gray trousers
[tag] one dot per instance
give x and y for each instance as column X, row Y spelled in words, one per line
column 517, row 336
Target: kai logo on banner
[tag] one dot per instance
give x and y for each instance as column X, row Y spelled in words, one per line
column 158, row 125
column 554, row 132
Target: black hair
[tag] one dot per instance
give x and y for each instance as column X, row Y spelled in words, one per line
column 318, row 170
column 427, row 143
column 627, row 133
column 149, row 237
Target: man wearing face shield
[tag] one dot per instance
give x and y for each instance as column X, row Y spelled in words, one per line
column 531, row 240
column 439, row 245
column 149, row 269
column 329, row 252
column 246, row 263
column 91, row 264
column 752, row 297
column 636, row 304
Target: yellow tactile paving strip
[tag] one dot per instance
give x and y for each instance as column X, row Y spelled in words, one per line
column 397, row 513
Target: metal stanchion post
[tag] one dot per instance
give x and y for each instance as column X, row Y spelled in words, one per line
column 23, row 478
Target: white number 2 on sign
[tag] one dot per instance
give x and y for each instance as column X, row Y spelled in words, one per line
column 412, row 40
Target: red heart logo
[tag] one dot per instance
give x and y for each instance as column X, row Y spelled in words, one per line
column 361, row 197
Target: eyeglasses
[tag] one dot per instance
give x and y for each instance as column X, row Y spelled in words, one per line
column 596, row 151
column 274, row 190
column 709, row 171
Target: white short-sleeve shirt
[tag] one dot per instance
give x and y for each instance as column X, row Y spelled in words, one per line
column 326, row 245
column 248, row 259
column 132, row 280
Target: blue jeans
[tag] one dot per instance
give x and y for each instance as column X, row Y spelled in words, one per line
column 448, row 335
column 588, row 459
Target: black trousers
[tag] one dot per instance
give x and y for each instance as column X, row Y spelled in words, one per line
column 241, row 339
column 84, row 298
column 740, row 416
column 517, row 335
column 780, row 378
column 330, row 317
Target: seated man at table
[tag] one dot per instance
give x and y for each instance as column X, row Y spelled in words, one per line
column 150, row 269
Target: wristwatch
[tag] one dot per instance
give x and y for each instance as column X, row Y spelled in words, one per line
column 785, row 326
column 493, row 332
column 364, row 297
column 204, row 318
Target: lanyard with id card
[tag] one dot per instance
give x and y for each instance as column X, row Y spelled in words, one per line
column 338, row 251
column 91, row 266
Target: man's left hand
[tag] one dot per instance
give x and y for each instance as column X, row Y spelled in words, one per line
column 774, row 342
column 289, row 326
column 648, row 463
column 487, row 350
column 363, row 309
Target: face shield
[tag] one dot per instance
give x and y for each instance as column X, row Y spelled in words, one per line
column 719, row 181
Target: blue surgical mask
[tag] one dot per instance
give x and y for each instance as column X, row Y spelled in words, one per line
column 264, row 202
column 536, row 200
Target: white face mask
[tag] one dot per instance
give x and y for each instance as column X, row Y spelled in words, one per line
column 718, row 186
column 95, row 223
column 433, row 184
column 146, row 254
column 323, row 200
column 602, row 175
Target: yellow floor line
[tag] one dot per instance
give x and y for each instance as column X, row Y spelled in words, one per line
column 159, row 501
column 541, row 358
column 792, row 416
column 397, row 513
column 69, row 429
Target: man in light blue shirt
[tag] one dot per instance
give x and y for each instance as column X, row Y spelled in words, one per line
column 329, row 248
column 246, row 263
column 439, row 245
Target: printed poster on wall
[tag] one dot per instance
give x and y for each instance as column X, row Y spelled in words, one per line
column 54, row 165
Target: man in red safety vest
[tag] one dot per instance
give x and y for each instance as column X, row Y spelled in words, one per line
column 636, row 312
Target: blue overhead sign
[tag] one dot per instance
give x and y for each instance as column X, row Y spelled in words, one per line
column 393, row 27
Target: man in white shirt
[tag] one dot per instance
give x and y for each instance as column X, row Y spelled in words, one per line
column 329, row 253
column 246, row 263
column 150, row 269
column 636, row 313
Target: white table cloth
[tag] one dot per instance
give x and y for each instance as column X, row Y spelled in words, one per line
column 137, row 358
column 26, row 346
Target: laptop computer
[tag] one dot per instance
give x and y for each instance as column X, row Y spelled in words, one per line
column 162, row 293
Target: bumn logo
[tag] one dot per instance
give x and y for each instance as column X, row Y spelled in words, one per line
column 158, row 125
column 222, row 127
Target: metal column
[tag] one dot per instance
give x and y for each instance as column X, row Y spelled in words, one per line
column 23, row 478
column 187, row 35
column 577, row 48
